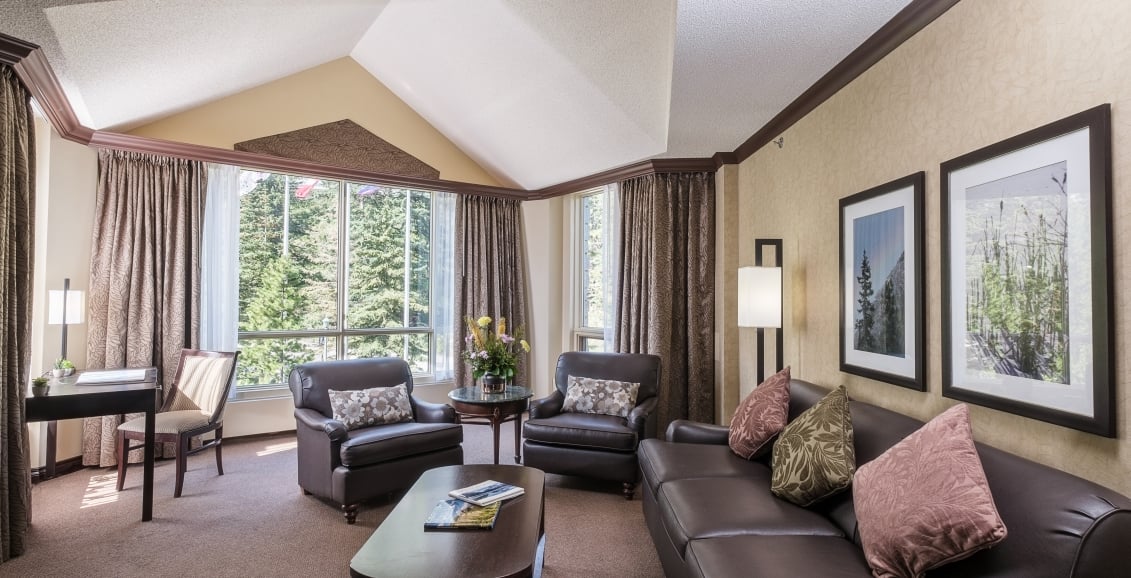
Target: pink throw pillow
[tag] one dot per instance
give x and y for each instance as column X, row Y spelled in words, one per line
column 925, row 501
column 760, row 417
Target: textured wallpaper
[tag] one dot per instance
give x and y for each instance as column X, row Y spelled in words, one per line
column 984, row 71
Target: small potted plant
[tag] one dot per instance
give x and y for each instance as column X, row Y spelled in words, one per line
column 63, row 368
column 39, row 386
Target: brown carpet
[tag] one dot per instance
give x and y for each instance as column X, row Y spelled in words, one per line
column 254, row 521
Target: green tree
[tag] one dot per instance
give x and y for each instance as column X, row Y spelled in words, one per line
column 893, row 322
column 865, row 340
column 278, row 306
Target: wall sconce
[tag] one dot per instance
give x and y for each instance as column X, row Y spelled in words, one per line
column 760, row 300
column 65, row 308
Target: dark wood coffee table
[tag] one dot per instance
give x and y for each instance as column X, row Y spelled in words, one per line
column 514, row 547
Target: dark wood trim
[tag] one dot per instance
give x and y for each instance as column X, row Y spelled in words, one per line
column 913, row 18
column 63, row 467
column 13, row 50
column 724, row 158
column 637, row 169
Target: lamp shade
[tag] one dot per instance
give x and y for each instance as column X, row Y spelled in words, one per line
column 759, row 297
column 76, row 307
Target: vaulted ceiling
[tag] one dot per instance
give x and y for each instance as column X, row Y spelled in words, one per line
column 536, row 91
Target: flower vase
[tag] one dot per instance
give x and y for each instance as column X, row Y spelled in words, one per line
column 493, row 383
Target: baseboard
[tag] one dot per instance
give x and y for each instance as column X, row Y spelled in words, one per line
column 61, row 467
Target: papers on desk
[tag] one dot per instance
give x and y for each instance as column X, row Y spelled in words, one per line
column 105, row 376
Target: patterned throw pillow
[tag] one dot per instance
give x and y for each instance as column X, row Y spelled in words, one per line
column 760, row 417
column 814, row 457
column 365, row 407
column 605, row 396
column 925, row 501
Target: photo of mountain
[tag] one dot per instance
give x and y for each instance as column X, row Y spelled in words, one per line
column 879, row 283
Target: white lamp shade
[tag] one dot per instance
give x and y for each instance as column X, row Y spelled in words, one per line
column 759, row 297
column 76, row 307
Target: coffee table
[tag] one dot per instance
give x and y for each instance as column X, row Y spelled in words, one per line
column 514, row 547
column 493, row 409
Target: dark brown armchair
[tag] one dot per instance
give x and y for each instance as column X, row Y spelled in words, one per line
column 593, row 445
column 349, row 467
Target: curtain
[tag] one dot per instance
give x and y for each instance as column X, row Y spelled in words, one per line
column 610, row 260
column 17, row 210
column 220, row 261
column 444, row 321
column 490, row 271
column 144, row 303
column 667, row 287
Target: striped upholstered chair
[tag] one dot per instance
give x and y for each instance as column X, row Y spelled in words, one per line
column 194, row 405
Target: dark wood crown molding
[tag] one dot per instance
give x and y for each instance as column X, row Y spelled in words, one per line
column 637, row 169
column 908, row 22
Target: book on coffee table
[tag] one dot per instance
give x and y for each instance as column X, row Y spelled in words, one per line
column 458, row 514
column 486, row 493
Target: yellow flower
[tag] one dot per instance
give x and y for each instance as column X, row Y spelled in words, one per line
column 484, row 321
column 502, row 325
column 525, row 345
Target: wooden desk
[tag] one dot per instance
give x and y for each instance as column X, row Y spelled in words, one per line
column 68, row 400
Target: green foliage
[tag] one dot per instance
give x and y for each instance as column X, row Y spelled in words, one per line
column 62, row 363
column 279, row 305
column 865, row 339
column 496, row 351
column 893, row 320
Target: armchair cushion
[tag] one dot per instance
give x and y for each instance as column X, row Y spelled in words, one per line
column 601, row 396
column 585, row 430
column 366, row 407
column 383, row 443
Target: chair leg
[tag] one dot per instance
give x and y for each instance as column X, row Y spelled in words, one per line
column 123, row 454
column 350, row 512
column 629, row 490
column 182, row 464
column 220, row 450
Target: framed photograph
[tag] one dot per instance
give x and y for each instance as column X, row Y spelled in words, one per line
column 1026, row 274
column 881, row 283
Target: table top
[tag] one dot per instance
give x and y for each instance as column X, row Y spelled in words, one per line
column 66, row 386
column 402, row 547
column 475, row 395
column 66, row 399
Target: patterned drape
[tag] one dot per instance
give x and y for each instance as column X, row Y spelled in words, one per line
column 144, row 302
column 490, row 271
column 17, row 210
column 666, row 303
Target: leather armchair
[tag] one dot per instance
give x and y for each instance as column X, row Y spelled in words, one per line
column 593, row 445
column 349, row 467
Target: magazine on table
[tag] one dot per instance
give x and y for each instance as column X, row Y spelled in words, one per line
column 486, row 493
column 458, row 514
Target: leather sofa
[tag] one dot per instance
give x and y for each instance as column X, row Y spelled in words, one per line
column 350, row 467
column 711, row 513
column 593, row 445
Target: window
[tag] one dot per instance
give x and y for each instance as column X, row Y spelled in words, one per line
column 590, row 272
column 332, row 270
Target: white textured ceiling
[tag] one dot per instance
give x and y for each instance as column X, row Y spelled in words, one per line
column 537, row 91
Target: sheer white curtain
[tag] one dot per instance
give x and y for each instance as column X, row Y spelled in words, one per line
column 220, row 261
column 610, row 265
column 443, row 281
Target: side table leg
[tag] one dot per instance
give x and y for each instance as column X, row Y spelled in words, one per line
column 495, row 428
column 518, row 438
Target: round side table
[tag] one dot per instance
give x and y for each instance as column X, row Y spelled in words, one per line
column 475, row 407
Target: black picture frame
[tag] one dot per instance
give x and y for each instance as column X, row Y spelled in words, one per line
column 1026, row 274
column 886, row 218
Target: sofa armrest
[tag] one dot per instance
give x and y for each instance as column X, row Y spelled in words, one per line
column 692, row 432
column 428, row 412
column 547, row 406
column 333, row 428
column 640, row 415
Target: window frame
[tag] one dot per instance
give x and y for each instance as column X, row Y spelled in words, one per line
column 579, row 332
column 341, row 333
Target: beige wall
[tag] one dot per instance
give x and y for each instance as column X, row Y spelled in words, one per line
column 64, row 220
column 333, row 91
column 545, row 231
column 984, row 71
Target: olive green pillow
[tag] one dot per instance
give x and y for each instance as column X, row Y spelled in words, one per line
column 813, row 457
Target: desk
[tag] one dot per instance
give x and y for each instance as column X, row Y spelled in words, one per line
column 67, row 400
column 493, row 409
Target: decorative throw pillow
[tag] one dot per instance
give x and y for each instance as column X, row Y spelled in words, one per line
column 760, row 417
column 605, row 396
column 365, row 407
column 925, row 501
column 814, row 457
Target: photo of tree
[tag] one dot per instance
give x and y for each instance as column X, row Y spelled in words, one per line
column 1017, row 275
column 879, row 283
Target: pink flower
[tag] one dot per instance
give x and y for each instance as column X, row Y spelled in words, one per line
column 506, row 338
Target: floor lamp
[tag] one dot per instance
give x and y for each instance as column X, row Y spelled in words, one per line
column 760, row 300
column 64, row 308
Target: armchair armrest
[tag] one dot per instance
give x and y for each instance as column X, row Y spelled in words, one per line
column 691, row 432
column 333, row 429
column 428, row 412
column 547, row 406
column 639, row 416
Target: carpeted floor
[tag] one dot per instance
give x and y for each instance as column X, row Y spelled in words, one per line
column 254, row 521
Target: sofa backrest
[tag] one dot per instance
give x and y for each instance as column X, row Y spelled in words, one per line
column 1059, row 524
column 309, row 382
column 631, row 367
